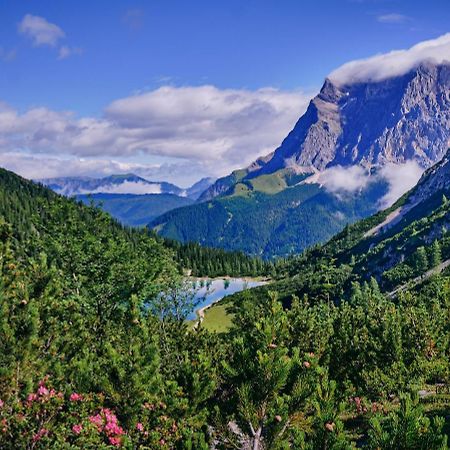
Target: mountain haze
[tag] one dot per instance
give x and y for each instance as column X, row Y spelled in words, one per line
column 129, row 198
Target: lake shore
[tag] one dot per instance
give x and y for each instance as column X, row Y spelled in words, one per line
column 200, row 312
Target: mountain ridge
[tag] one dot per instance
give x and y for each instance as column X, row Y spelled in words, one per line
column 350, row 137
column 322, row 137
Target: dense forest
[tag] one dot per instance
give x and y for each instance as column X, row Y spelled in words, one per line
column 96, row 352
column 269, row 224
column 214, row 262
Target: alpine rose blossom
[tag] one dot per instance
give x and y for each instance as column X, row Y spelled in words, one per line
column 74, row 397
column 139, row 426
column 77, row 429
column 41, row 433
column 115, row 441
column 43, row 391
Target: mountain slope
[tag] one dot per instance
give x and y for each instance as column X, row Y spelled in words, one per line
column 268, row 224
column 135, row 210
column 359, row 129
column 395, row 246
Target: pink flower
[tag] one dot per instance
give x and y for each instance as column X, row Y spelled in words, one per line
column 1, row 403
column 139, row 426
column 306, row 364
column 115, row 441
column 77, row 429
column 43, row 391
column 44, row 380
column 32, row 397
column 113, row 428
column 42, row 432
column 96, row 420
column 74, row 397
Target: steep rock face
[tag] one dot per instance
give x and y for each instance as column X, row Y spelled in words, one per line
column 370, row 124
column 434, row 180
column 363, row 127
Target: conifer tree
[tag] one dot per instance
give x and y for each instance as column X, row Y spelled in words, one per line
column 269, row 382
column 435, row 254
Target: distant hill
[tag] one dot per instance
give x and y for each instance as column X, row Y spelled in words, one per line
column 113, row 184
column 135, row 210
column 131, row 199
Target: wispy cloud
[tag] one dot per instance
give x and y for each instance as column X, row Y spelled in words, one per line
column 40, row 30
column 350, row 180
column 44, row 33
column 393, row 18
column 65, row 51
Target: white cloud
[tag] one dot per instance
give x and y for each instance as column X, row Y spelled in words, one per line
column 401, row 178
column 127, row 187
column 395, row 63
column 393, row 18
column 41, row 31
column 51, row 166
column 206, row 128
column 340, row 179
column 350, row 180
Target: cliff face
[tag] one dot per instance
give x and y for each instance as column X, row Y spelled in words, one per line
column 369, row 124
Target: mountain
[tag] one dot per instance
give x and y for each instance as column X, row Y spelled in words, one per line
column 197, row 189
column 44, row 221
column 135, row 210
column 400, row 247
column 113, row 184
column 131, row 199
column 371, row 123
column 334, row 167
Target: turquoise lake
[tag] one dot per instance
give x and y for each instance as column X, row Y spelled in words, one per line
column 211, row 291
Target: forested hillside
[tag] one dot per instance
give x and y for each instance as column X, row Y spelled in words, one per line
column 96, row 352
column 267, row 225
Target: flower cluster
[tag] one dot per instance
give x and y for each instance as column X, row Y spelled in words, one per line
column 43, row 394
column 106, row 422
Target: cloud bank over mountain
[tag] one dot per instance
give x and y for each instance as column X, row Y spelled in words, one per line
column 394, row 63
column 204, row 128
column 350, row 180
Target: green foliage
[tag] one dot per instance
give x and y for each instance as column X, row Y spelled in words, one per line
column 213, row 262
column 407, row 429
column 99, row 311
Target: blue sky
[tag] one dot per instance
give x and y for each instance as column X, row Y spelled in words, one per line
column 176, row 52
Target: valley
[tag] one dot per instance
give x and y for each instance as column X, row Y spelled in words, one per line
column 201, row 250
